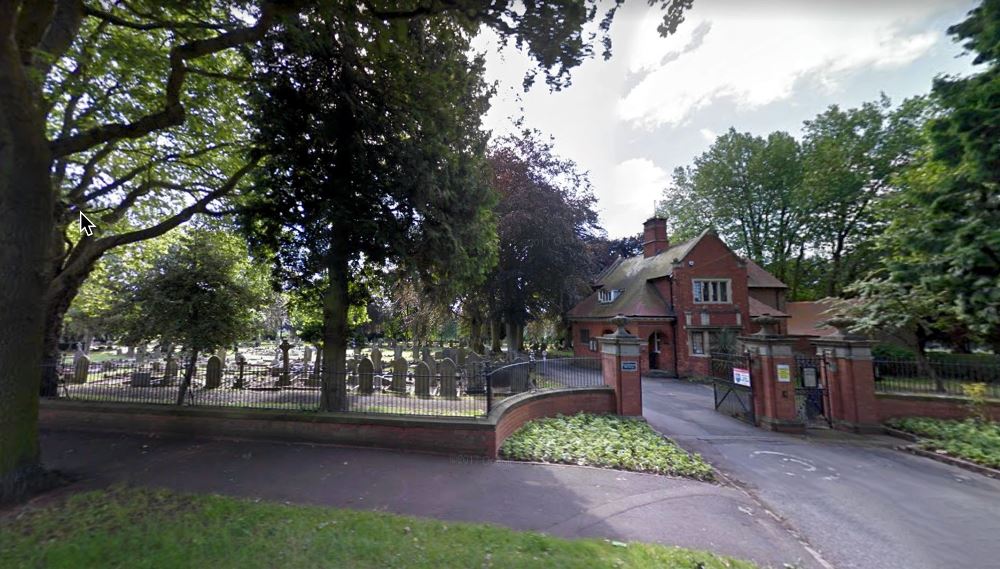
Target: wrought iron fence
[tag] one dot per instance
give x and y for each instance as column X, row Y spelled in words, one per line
column 425, row 388
column 894, row 375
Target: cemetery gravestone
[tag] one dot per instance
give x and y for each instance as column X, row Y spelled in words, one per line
column 377, row 359
column 422, row 380
column 81, row 367
column 285, row 379
column 449, row 386
column 213, row 373
column 519, row 375
column 171, row 374
column 366, row 373
column 399, row 368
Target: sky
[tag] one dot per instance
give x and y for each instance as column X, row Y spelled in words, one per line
column 755, row 65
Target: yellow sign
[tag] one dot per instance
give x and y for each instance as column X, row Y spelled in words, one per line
column 784, row 373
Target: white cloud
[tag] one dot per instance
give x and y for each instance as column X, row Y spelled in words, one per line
column 758, row 54
column 628, row 200
column 708, row 134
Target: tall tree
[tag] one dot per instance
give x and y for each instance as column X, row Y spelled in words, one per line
column 374, row 134
column 201, row 295
column 545, row 218
column 750, row 190
column 850, row 159
column 942, row 243
column 965, row 258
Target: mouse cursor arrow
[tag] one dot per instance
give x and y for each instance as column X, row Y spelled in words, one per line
column 86, row 226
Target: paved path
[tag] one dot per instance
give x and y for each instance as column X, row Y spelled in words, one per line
column 859, row 502
column 565, row 501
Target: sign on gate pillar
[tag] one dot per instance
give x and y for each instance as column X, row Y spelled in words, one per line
column 620, row 367
column 773, row 390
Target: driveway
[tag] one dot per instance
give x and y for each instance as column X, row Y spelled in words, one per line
column 857, row 501
column 566, row 501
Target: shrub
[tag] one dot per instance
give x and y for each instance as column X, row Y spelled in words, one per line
column 603, row 440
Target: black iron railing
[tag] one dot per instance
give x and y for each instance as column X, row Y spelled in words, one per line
column 893, row 375
column 424, row 388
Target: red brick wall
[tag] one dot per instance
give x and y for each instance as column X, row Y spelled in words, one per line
column 641, row 328
column 711, row 260
column 895, row 405
column 476, row 437
column 582, row 349
column 550, row 404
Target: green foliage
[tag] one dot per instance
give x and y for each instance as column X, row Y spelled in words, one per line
column 202, row 293
column 972, row 439
column 804, row 211
column 963, row 242
column 545, row 217
column 749, row 189
column 608, row 441
column 375, row 149
column 892, row 351
column 977, row 394
column 158, row 528
column 942, row 245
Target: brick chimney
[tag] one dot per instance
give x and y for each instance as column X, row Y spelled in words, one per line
column 654, row 237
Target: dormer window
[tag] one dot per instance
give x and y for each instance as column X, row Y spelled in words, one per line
column 608, row 296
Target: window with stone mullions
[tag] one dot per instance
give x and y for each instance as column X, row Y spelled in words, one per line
column 709, row 291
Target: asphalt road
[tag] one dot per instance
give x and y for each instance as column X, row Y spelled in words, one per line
column 857, row 501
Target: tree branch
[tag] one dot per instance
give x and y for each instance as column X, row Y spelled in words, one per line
column 173, row 112
column 62, row 30
column 180, row 217
column 155, row 24
column 88, row 249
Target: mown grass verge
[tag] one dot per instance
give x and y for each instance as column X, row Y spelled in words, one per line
column 136, row 528
column 607, row 441
column 973, row 440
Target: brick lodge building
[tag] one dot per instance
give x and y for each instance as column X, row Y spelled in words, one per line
column 684, row 300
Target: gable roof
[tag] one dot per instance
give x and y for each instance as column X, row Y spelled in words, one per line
column 757, row 277
column 639, row 297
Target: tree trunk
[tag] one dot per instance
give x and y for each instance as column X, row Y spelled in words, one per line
column 335, row 305
column 188, row 374
column 496, row 336
column 26, row 219
column 57, row 303
column 515, row 339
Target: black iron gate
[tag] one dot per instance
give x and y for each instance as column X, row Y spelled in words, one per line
column 733, row 386
column 810, row 393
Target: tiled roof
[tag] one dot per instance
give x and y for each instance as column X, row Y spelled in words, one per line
column 639, row 297
column 757, row 277
column 758, row 308
column 804, row 317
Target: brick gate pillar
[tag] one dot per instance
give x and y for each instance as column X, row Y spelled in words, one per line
column 849, row 378
column 620, row 367
column 771, row 377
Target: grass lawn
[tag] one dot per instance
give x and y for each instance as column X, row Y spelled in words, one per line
column 603, row 440
column 134, row 528
column 976, row 441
